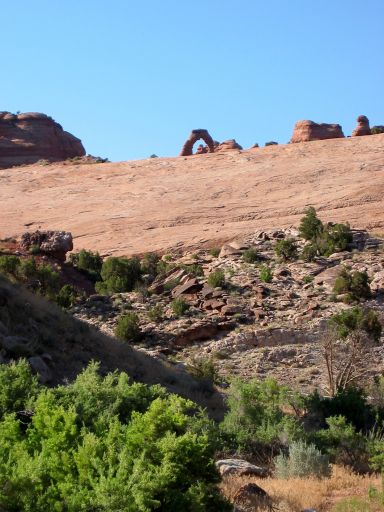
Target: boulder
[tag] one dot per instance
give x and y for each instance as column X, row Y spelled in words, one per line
column 239, row 467
column 190, row 286
column 306, row 130
column 328, row 277
column 253, row 497
column 228, row 145
column 30, row 137
column 362, row 127
column 53, row 243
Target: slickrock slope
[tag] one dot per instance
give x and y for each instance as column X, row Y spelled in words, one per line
column 155, row 204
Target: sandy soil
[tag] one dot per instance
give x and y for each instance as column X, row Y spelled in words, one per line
column 155, row 204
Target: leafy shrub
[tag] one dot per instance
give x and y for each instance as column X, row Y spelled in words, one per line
column 286, row 249
column 215, row 251
column 203, row 368
column 149, row 264
column 255, row 418
column 128, row 327
column 356, row 284
column 105, row 444
column 34, row 250
column 9, row 265
column 250, row 255
column 307, row 279
column 17, row 386
column 355, row 319
column 265, row 274
column 119, row 275
column 89, row 262
column 156, row 314
column 179, row 307
column 375, row 130
column 216, row 279
column 66, row 296
column 195, row 269
column 304, row 460
column 310, row 225
column 310, row 252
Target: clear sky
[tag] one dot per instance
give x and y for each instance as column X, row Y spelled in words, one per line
column 132, row 78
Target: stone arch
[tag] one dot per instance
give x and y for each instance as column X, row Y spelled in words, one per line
column 194, row 137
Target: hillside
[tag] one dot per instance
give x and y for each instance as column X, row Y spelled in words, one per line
column 159, row 203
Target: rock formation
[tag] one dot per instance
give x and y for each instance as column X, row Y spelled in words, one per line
column 30, row 137
column 53, row 243
column 308, row 130
column 362, row 127
column 228, row 145
column 194, row 137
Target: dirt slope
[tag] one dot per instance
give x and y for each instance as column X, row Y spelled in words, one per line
column 155, row 204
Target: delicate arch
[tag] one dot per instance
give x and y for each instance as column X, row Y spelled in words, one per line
column 194, row 137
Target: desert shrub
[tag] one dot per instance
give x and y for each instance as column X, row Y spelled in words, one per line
column 310, row 225
column 171, row 284
column 286, row 249
column 215, row 251
column 375, row 130
column 9, row 265
column 48, row 281
column 303, row 460
column 203, row 368
column 104, row 444
column 156, row 314
column 179, row 306
column 119, row 275
column 356, row 284
column 356, row 319
column 307, row 279
column 27, row 269
column 34, row 250
column 195, row 269
column 66, row 296
column 265, row 274
column 89, row 262
column 149, row 264
column 17, row 386
column 216, row 279
column 128, row 327
column 309, row 252
column 271, row 143
column 250, row 255
column 255, row 420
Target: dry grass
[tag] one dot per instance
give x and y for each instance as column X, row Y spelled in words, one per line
column 296, row 494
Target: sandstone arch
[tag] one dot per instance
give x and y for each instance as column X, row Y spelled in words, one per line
column 194, row 137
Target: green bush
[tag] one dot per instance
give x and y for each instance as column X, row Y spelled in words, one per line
column 9, row 265
column 128, row 327
column 34, row 250
column 149, row 264
column 216, row 279
column 89, row 262
column 179, row 307
column 203, row 368
column 107, row 445
column 355, row 319
column 265, row 274
column 156, row 314
column 215, row 251
column 310, row 225
column 356, row 284
column 17, row 387
column 286, row 249
column 303, row 461
column 255, row 419
column 250, row 255
column 119, row 275
column 66, row 296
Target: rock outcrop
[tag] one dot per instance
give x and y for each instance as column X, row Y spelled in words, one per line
column 228, row 145
column 30, row 137
column 305, row 131
column 196, row 135
column 53, row 243
column 362, row 127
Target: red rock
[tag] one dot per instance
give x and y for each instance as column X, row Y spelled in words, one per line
column 30, row 137
column 53, row 243
column 362, row 127
column 213, row 304
column 196, row 135
column 192, row 285
column 308, row 130
column 228, row 145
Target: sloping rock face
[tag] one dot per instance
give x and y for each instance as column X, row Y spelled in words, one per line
column 30, row 137
column 362, row 127
column 196, row 135
column 305, row 131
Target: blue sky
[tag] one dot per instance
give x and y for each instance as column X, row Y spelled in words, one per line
column 133, row 78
